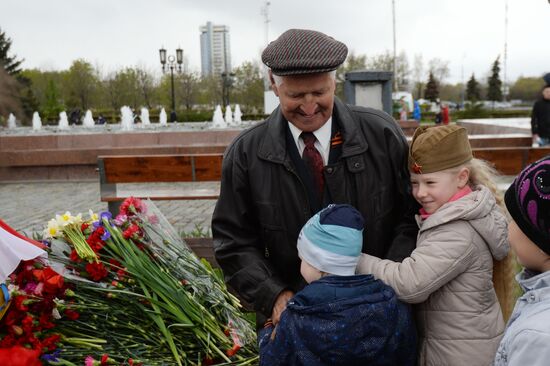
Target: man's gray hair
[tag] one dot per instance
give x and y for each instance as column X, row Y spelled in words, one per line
column 279, row 79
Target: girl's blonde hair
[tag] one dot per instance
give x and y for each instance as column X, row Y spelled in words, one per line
column 483, row 173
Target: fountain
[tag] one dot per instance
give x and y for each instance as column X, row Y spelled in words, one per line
column 88, row 120
column 63, row 123
column 217, row 119
column 228, row 115
column 36, row 122
column 163, row 118
column 237, row 114
column 11, row 121
column 126, row 119
column 144, row 116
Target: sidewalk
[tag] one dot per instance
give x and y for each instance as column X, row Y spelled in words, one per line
column 28, row 207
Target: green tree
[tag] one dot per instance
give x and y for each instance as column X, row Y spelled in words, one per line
column 187, row 85
column 146, row 84
column 52, row 105
column 494, row 91
column 248, row 88
column 452, row 92
column 353, row 63
column 81, row 83
column 526, row 88
column 432, row 88
column 10, row 63
column 473, row 91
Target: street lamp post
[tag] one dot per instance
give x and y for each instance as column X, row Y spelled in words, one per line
column 227, row 82
column 172, row 63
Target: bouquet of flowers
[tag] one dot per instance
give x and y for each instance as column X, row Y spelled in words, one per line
column 133, row 293
column 31, row 301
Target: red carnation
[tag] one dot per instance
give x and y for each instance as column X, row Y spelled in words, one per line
column 71, row 314
column 20, row 303
column 96, row 271
column 20, row 356
column 128, row 233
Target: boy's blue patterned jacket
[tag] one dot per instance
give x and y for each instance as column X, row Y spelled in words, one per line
column 342, row 320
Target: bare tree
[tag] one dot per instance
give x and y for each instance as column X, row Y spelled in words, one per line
column 439, row 69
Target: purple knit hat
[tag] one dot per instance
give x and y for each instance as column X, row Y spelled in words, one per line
column 528, row 201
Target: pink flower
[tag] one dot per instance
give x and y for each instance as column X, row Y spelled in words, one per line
column 89, row 361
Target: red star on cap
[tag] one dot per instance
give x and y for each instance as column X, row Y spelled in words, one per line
column 417, row 168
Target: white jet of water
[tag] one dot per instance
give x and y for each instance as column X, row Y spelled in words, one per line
column 11, row 121
column 63, row 123
column 238, row 114
column 144, row 116
column 36, row 121
column 88, row 119
column 163, row 118
column 126, row 119
column 228, row 115
column 217, row 119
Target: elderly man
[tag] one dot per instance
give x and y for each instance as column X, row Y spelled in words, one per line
column 313, row 150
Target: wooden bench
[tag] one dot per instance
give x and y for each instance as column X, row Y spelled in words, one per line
column 511, row 160
column 117, row 172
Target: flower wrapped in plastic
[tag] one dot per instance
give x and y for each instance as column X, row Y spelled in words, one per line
column 145, row 298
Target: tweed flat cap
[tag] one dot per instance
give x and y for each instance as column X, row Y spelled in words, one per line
column 438, row 148
column 302, row 51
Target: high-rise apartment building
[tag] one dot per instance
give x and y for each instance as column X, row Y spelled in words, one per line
column 215, row 49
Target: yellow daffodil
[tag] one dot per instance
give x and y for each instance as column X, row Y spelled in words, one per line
column 53, row 230
column 93, row 215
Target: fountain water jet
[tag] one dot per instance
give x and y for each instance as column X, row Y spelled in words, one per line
column 11, row 121
column 228, row 115
column 63, row 123
column 217, row 119
column 36, row 122
column 88, row 119
column 237, row 114
column 144, row 116
column 126, row 119
column 163, row 118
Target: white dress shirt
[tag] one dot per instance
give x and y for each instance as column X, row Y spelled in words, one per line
column 322, row 144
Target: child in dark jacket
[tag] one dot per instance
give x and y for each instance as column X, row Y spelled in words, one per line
column 527, row 337
column 340, row 318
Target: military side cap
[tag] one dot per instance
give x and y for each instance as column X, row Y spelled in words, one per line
column 302, row 51
column 438, row 148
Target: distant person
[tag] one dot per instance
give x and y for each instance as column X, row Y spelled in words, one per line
column 526, row 340
column 445, row 114
column 173, row 116
column 404, row 111
column 450, row 273
column 101, row 120
column 540, row 118
column 417, row 112
column 340, row 318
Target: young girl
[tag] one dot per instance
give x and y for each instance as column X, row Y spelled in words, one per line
column 450, row 272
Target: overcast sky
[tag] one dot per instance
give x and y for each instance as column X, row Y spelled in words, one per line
column 111, row 34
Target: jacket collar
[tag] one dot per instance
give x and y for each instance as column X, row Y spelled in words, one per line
column 273, row 145
column 529, row 280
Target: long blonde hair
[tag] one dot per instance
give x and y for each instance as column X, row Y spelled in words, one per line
column 483, row 173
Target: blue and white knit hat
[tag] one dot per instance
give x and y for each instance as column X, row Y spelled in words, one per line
column 331, row 241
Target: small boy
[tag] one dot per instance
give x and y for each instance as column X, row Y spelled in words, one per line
column 340, row 318
column 526, row 340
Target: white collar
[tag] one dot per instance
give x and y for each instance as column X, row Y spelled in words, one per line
column 322, row 135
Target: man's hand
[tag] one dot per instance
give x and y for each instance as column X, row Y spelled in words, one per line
column 280, row 305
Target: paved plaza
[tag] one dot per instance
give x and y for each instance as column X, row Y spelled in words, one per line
column 28, row 206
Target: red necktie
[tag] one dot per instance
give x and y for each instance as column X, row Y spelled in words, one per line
column 314, row 162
